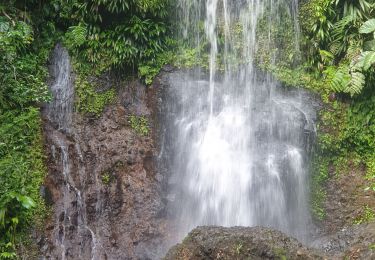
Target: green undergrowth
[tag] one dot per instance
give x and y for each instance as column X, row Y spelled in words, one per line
column 367, row 215
column 88, row 99
column 318, row 180
column 23, row 73
column 22, row 172
column 123, row 35
column 139, row 124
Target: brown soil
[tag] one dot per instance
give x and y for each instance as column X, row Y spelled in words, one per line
column 346, row 198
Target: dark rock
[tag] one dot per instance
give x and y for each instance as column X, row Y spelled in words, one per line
column 239, row 243
column 128, row 205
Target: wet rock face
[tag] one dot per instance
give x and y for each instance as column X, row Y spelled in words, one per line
column 239, row 243
column 103, row 183
column 355, row 242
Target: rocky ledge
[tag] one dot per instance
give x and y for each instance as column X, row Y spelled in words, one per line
column 240, row 243
column 356, row 242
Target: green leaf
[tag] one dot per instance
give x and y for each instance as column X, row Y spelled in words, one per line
column 369, row 45
column 2, row 216
column 26, row 201
column 326, row 55
column 15, row 221
column 356, row 83
column 368, row 27
column 368, row 59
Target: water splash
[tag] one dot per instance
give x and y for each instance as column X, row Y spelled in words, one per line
column 237, row 140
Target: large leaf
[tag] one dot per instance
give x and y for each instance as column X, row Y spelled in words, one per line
column 368, row 59
column 27, row 202
column 368, row 27
column 369, row 45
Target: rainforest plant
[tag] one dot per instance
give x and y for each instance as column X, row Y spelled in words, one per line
column 119, row 33
column 342, row 33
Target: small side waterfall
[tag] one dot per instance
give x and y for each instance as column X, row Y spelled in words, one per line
column 70, row 216
column 238, row 142
column 60, row 110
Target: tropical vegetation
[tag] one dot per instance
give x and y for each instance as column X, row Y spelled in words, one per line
column 135, row 38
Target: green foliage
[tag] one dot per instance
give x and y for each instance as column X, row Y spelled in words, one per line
column 191, row 57
column 368, row 27
column 120, row 33
column 22, row 171
column 149, row 70
column 317, row 18
column 367, row 215
column 370, row 175
column 75, row 37
column 7, row 251
column 89, row 100
column 280, row 253
column 23, row 74
column 139, row 124
column 357, row 9
column 344, row 41
column 12, row 206
column 106, row 178
column 238, row 248
column 318, row 181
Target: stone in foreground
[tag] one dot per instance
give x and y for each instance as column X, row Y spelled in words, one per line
column 239, row 243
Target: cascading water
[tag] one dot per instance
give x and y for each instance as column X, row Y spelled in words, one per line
column 71, row 220
column 238, row 141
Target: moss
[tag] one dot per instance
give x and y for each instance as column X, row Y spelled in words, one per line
column 280, row 253
column 318, row 181
column 139, row 124
column 88, row 100
column 370, row 173
column 367, row 215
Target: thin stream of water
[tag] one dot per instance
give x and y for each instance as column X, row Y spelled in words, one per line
column 60, row 113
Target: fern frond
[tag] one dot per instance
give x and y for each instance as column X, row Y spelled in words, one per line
column 352, row 52
column 356, row 83
column 339, row 27
column 340, row 79
column 76, row 35
column 326, row 56
column 335, row 47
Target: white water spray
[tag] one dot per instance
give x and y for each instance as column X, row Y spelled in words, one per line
column 240, row 158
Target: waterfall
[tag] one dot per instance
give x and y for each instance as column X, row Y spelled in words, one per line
column 70, row 211
column 237, row 140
